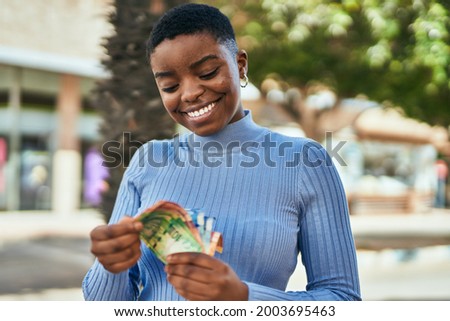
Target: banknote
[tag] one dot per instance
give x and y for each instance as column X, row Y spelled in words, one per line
column 169, row 228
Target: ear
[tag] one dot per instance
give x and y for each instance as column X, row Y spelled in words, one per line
column 242, row 62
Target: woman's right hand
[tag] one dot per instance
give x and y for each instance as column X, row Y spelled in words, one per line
column 117, row 246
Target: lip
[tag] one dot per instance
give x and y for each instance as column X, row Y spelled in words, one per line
column 196, row 108
column 206, row 115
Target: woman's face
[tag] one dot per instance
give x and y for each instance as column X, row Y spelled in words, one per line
column 198, row 80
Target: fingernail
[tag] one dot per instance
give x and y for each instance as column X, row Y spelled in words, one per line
column 169, row 258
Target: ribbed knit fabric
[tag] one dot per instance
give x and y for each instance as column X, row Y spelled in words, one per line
column 273, row 197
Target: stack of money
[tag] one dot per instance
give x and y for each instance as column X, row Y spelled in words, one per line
column 169, row 228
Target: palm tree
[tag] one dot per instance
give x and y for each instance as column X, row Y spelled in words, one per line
column 128, row 100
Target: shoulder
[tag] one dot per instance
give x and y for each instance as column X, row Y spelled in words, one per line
column 281, row 137
column 294, row 143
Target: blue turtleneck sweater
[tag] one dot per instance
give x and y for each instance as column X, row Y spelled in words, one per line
column 274, row 197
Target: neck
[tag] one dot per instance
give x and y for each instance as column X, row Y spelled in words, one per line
column 241, row 131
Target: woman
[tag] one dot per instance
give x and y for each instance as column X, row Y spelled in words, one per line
column 273, row 197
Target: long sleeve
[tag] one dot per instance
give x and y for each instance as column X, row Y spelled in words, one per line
column 100, row 284
column 325, row 239
column 274, row 198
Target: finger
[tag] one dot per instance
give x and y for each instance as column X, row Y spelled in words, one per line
column 122, row 266
column 193, row 296
column 105, row 232
column 194, row 258
column 114, row 245
column 122, row 256
column 190, row 271
column 187, row 287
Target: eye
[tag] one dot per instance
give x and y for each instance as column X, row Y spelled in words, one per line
column 170, row 89
column 209, row 75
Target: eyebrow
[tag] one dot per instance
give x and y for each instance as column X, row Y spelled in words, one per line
column 202, row 60
column 160, row 74
column 194, row 65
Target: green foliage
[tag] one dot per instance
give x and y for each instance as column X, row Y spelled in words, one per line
column 394, row 51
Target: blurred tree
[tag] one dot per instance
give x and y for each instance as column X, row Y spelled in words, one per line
column 393, row 51
column 129, row 100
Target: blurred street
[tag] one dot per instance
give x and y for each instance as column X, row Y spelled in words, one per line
column 45, row 257
column 367, row 81
column 35, row 268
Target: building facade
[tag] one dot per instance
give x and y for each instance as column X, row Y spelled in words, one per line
column 50, row 52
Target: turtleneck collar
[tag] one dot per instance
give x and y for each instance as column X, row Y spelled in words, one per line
column 243, row 130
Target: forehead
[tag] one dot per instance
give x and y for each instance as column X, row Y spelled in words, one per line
column 186, row 49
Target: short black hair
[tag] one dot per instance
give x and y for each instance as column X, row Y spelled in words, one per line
column 192, row 18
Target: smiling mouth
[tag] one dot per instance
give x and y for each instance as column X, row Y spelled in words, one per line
column 202, row 111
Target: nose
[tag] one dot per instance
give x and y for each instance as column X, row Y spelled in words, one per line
column 192, row 90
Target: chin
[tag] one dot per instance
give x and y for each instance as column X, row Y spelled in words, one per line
column 207, row 131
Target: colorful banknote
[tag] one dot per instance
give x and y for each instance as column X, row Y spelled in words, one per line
column 169, row 228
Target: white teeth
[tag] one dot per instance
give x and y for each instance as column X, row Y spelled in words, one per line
column 201, row 111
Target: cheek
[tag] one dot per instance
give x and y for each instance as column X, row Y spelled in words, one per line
column 169, row 102
column 227, row 84
column 232, row 85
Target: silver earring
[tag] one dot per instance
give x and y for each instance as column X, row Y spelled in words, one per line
column 244, row 81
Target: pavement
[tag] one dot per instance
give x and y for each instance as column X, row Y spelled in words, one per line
column 46, row 255
column 25, row 225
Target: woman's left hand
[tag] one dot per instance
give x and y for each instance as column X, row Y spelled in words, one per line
column 200, row 277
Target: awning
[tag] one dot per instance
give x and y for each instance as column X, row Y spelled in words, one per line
column 27, row 58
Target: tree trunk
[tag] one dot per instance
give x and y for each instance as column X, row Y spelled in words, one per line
column 129, row 100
